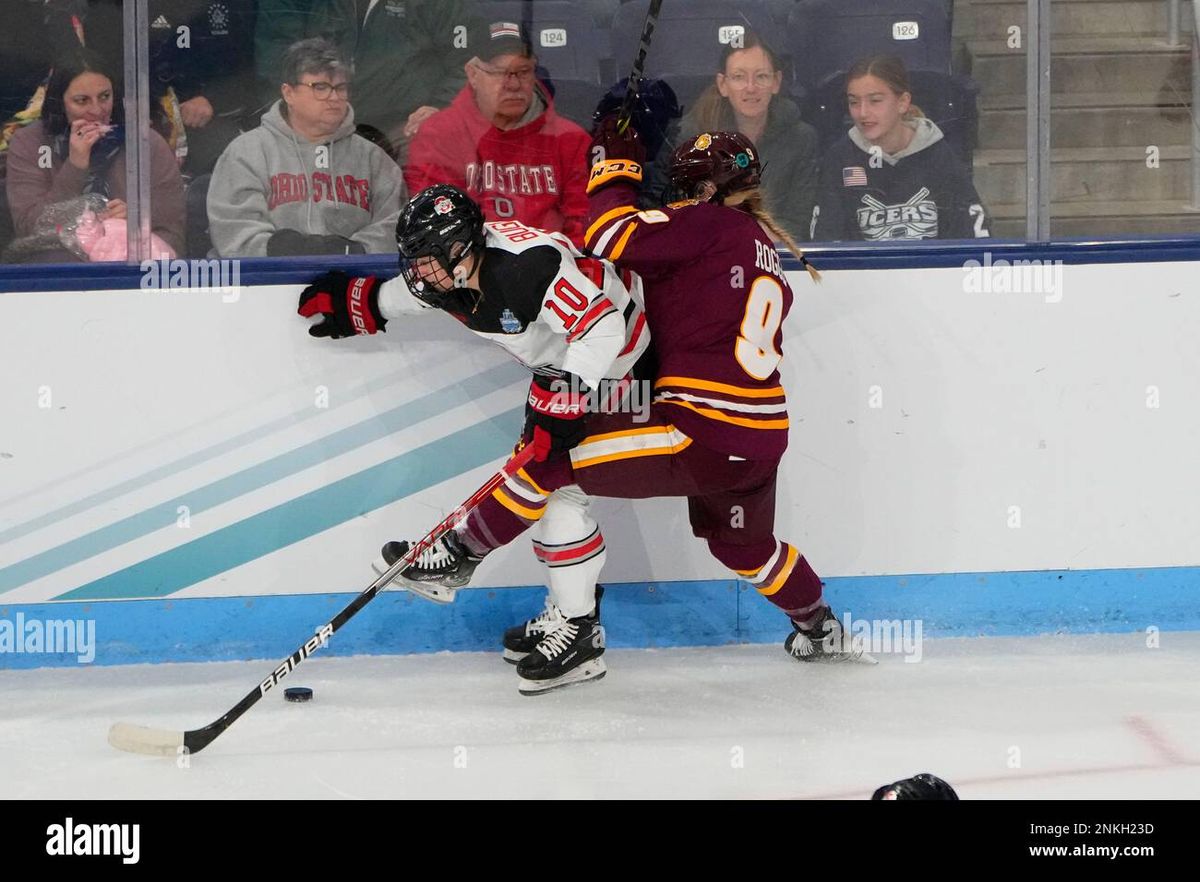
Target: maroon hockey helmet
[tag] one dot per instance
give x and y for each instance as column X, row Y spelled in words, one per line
column 728, row 159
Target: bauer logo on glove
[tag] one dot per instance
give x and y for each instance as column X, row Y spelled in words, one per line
column 347, row 305
column 554, row 415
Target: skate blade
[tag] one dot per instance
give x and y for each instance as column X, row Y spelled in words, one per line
column 864, row 659
column 593, row 669
column 434, row 593
column 857, row 656
column 512, row 656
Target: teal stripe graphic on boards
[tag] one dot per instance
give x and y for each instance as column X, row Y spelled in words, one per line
column 310, row 514
column 260, row 475
column 184, row 462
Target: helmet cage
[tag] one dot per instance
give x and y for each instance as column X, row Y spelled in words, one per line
column 439, row 229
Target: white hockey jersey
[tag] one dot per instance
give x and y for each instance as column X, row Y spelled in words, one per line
column 552, row 308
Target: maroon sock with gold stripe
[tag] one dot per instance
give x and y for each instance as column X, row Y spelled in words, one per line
column 779, row 572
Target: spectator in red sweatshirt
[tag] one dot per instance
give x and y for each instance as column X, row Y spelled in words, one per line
column 501, row 141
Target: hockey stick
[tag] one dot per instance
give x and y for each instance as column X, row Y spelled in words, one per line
column 168, row 742
column 639, row 64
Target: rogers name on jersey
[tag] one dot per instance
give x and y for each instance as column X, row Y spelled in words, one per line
column 915, row 219
column 525, row 180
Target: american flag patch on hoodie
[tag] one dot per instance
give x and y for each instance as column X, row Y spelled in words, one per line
column 854, row 176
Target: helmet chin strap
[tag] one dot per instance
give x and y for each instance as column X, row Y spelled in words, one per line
column 457, row 271
column 460, row 275
column 451, row 269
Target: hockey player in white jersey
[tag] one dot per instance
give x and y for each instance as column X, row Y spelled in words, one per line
column 576, row 322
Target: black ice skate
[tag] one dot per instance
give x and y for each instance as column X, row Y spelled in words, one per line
column 520, row 640
column 437, row 572
column 825, row 641
column 570, row 652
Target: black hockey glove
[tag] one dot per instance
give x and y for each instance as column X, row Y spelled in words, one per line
column 293, row 243
column 348, row 305
column 555, row 420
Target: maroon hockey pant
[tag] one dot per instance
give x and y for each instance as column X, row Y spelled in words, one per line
column 731, row 502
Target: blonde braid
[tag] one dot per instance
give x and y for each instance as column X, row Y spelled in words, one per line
column 751, row 201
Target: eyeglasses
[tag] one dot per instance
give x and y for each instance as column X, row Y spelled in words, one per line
column 741, row 79
column 324, row 91
column 523, row 75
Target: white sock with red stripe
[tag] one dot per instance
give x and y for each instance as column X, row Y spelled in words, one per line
column 571, row 547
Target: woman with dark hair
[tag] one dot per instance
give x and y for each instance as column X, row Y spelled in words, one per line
column 77, row 148
column 745, row 98
column 893, row 176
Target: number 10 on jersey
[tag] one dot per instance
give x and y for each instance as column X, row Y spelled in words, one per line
column 574, row 299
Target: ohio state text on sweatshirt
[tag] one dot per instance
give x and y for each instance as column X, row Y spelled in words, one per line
column 270, row 179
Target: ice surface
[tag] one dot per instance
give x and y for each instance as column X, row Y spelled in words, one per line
column 1101, row 716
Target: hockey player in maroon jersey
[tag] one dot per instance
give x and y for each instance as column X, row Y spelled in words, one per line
column 716, row 298
column 568, row 318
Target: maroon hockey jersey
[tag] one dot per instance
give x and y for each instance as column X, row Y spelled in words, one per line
column 715, row 298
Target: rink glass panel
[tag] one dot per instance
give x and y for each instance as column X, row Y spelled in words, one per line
column 45, row 218
column 1119, row 115
column 1123, row 129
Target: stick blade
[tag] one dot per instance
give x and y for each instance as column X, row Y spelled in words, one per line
column 143, row 739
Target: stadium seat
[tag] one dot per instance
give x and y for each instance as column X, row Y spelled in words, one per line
column 689, row 39
column 826, row 36
column 572, row 49
column 601, row 11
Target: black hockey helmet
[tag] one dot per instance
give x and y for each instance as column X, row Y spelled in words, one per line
column 655, row 111
column 923, row 786
column 433, row 223
column 728, row 159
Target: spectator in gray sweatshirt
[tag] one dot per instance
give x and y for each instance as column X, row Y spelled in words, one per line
column 303, row 182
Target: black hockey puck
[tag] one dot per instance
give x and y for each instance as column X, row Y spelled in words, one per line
column 297, row 693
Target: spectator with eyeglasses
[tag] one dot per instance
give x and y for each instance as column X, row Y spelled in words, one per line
column 502, row 142
column 407, row 54
column 304, row 182
column 745, row 98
